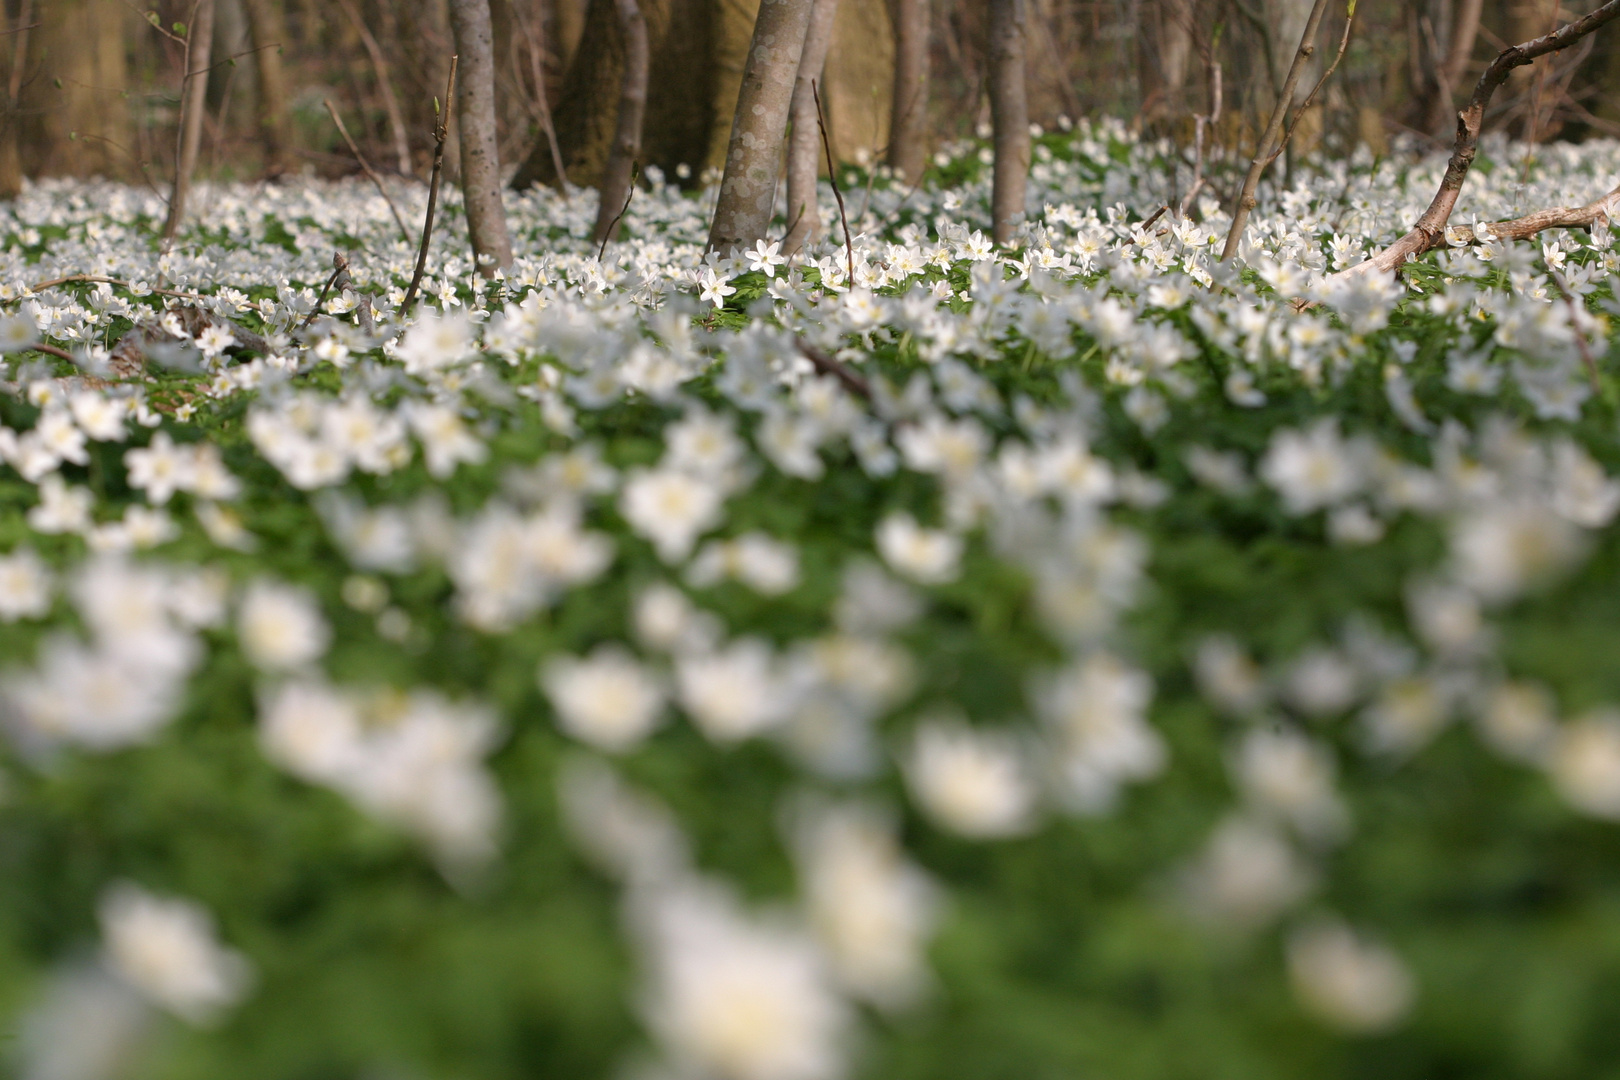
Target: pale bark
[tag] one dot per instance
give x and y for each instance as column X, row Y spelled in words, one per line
column 269, row 30
column 619, row 173
column 193, row 103
column 480, row 156
column 753, row 158
column 804, row 138
column 908, row 124
column 1009, row 116
column 1430, row 230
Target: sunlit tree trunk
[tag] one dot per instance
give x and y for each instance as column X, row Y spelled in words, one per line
column 753, row 158
column 193, row 103
column 480, row 155
column 908, row 116
column 1009, row 114
column 804, row 137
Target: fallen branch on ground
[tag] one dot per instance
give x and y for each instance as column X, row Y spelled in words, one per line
column 1430, row 230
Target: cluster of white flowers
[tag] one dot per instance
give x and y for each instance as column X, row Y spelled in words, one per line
column 1045, row 497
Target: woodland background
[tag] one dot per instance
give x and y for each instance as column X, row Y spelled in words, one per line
column 92, row 87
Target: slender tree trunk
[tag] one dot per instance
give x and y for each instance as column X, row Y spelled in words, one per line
column 804, row 138
column 1009, row 114
column 480, row 156
column 753, row 158
column 11, row 175
column 193, row 103
column 620, row 171
column 269, row 30
column 908, row 125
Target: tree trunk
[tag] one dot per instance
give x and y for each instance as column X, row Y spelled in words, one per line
column 269, row 30
column 193, row 103
column 675, row 127
column 742, row 213
column 908, row 123
column 1009, row 114
column 804, row 139
column 620, row 171
column 11, row 175
column 480, row 156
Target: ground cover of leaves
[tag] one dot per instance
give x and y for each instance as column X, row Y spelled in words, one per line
column 1098, row 661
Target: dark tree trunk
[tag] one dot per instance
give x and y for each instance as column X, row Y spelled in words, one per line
column 1009, row 113
column 675, row 129
column 620, row 171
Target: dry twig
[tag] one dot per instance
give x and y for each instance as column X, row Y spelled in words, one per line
column 1274, row 130
column 830, row 365
column 832, row 176
column 404, row 233
column 441, row 132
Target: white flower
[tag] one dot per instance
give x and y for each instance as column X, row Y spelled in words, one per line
column 713, row 288
column 871, row 909
column 765, row 258
column 607, row 699
column 1585, row 764
column 1353, row 984
column 436, row 342
column 735, row 998
column 168, row 950
column 61, row 509
column 670, row 508
column 1312, row 469
column 280, row 626
column 969, row 781
column 17, row 333
column 733, row 692
column 1246, row 876
column 767, row 566
column 1096, row 713
column 160, row 469
column 926, row 556
column 25, row 586
column 1500, row 549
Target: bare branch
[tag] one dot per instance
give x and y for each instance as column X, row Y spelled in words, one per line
column 441, row 132
column 1263, row 153
column 832, row 176
column 1429, row 232
column 829, row 365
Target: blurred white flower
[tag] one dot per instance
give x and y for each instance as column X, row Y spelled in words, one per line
column 1353, row 984
column 280, row 626
column 926, row 556
column 606, row 699
column 25, row 586
column 671, row 509
column 971, row 781
column 1314, row 468
column 1585, row 764
column 169, row 951
column 733, row 692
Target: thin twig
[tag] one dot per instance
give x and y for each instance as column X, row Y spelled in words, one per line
column 340, row 266
column 95, row 279
column 441, row 132
column 404, row 233
column 635, row 174
column 1274, row 127
column 1310, row 99
column 832, row 175
column 829, row 365
column 1202, row 123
